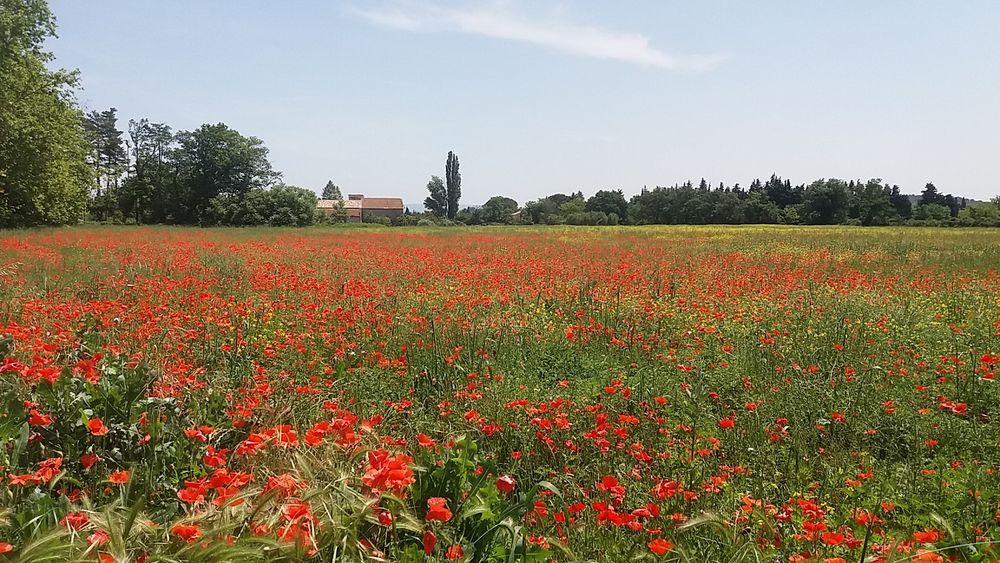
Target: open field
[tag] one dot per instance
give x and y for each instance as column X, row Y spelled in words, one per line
column 694, row 394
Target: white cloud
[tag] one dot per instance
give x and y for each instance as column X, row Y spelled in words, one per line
column 393, row 19
column 587, row 41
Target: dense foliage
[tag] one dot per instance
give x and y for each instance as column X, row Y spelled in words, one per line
column 280, row 206
column 57, row 164
column 443, row 196
column 193, row 177
column 44, row 176
column 776, row 201
column 682, row 394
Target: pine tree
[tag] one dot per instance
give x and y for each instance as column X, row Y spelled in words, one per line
column 332, row 191
column 108, row 159
column 930, row 195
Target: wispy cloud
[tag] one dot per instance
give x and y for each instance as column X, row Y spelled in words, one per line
column 581, row 40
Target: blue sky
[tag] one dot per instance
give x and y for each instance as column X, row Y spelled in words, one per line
column 538, row 97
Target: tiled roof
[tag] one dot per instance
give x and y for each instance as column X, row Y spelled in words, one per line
column 382, row 203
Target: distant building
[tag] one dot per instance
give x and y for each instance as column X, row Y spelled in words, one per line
column 328, row 206
column 353, row 206
column 359, row 207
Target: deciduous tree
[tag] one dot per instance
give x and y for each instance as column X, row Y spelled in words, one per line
column 498, row 210
column 44, row 176
column 609, row 201
column 437, row 201
column 214, row 160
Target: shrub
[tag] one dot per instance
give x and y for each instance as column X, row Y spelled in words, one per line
column 280, row 206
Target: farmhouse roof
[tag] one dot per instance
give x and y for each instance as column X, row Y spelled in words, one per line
column 356, row 202
column 382, row 203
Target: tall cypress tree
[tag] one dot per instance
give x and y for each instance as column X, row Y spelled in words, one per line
column 453, row 181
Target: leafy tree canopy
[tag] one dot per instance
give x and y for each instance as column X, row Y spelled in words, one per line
column 437, row 201
column 44, row 175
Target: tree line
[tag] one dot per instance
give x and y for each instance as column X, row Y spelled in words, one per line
column 774, row 201
column 212, row 175
column 60, row 166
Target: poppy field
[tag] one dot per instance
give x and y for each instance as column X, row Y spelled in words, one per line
column 517, row 394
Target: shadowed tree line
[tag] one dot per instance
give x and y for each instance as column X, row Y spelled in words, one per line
column 774, row 201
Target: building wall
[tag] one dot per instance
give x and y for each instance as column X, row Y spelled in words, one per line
column 390, row 213
column 358, row 213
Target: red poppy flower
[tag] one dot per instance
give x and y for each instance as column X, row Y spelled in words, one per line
column 437, row 509
column 384, row 517
column 97, row 427
column 297, row 510
column 660, row 546
column 929, row 535
column 100, row 537
column 119, row 477
column 75, row 520
column 287, row 484
column 506, row 484
column 924, row 556
column 387, row 472
column 6, row 547
column 832, row 538
column 89, row 460
column 429, row 541
column 49, row 468
column 38, row 419
column 187, row 532
column 454, row 552
column 192, row 493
